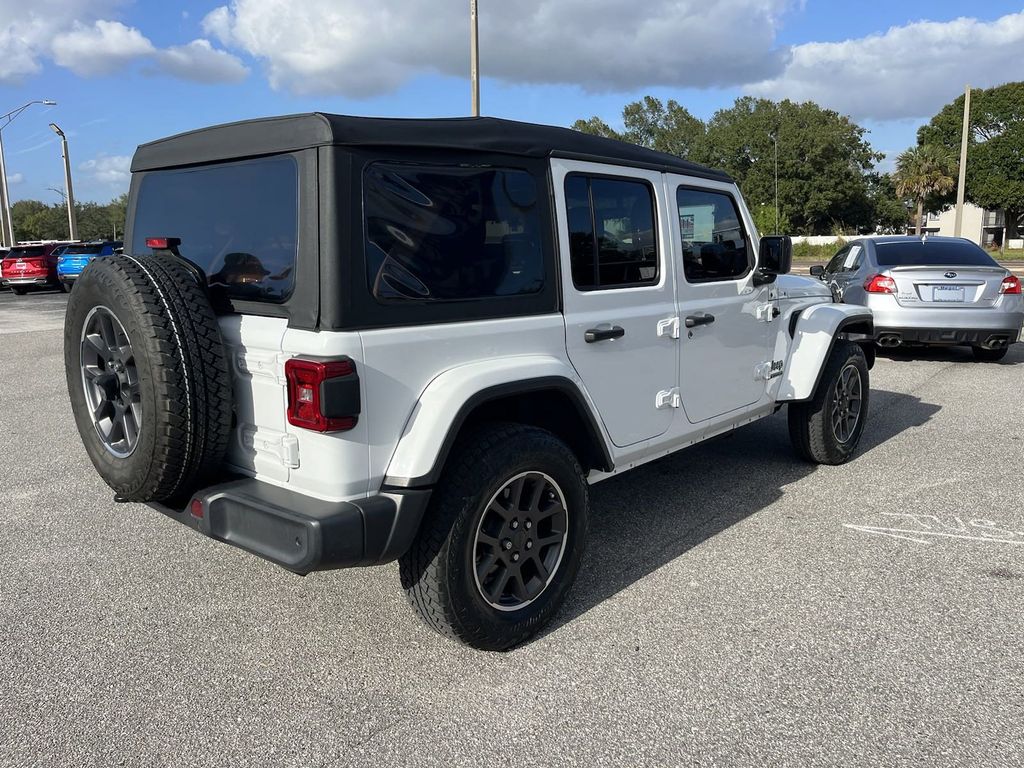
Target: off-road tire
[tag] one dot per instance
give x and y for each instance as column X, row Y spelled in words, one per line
column 810, row 427
column 437, row 572
column 983, row 355
column 183, row 378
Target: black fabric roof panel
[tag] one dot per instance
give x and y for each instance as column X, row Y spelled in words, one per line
column 486, row 134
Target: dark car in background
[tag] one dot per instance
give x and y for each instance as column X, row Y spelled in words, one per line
column 930, row 290
column 31, row 265
column 74, row 258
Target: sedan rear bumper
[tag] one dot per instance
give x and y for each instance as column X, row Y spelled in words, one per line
column 991, row 338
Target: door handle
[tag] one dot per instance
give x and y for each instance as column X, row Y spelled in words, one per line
column 692, row 321
column 603, row 334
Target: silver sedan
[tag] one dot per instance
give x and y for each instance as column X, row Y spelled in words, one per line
column 930, row 290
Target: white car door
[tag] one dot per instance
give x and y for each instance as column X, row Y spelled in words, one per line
column 618, row 293
column 725, row 316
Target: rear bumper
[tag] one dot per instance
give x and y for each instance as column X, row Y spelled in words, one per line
column 301, row 533
column 28, row 280
column 987, row 337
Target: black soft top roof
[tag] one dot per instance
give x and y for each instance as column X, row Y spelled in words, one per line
column 483, row 134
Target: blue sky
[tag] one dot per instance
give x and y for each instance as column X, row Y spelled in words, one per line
column 127, row 72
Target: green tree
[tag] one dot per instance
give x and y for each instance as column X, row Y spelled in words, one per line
column 889, row 212
column 822, row 161
column 995, row 149
column 922, row 171
column 35, row 220
column 650, row 123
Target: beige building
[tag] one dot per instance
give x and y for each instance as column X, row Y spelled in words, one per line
column 983, row 227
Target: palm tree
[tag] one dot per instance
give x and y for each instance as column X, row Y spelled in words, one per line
column 924, row 170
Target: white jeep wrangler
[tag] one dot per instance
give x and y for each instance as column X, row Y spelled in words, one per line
column 337, row 341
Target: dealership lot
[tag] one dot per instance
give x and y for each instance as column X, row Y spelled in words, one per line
column 735, row 607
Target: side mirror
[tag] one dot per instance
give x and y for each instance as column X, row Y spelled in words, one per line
column 774, row 257
column 817, row 271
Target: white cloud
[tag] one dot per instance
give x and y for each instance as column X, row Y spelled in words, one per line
column 108, row 169
column 100, row 49
column 361, row 49
column 908, row 71
column 27, row 30
column 201, row 62
column 15, row 178
column 80, row 36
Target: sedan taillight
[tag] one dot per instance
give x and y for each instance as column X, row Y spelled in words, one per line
column 1010, row 284
column 880, row 284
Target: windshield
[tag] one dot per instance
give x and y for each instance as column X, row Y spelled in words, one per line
column 932, row 253
column 76, row 250
column 31, row 250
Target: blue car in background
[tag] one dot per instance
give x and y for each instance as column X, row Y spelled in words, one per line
column 72, row 261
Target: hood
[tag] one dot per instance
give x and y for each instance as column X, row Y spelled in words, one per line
column 800, row 287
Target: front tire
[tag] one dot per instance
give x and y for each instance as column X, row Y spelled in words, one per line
column 827, row 429
column 502, row 540
column 983, row 355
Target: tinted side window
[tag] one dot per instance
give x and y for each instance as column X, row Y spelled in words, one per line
column 612, row 238
column 450, row 234
column 714, row 241
column 837, row 261
column 237, row 221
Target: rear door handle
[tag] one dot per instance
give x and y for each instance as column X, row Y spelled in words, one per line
column 692, row 321
column 603, row 334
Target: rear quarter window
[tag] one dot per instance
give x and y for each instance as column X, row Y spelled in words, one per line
column 237, row 221
column 914, row 252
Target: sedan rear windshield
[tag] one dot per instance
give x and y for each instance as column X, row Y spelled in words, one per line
column 237, row 221
column 937, row 253
column 82, row 250
column 21, row 253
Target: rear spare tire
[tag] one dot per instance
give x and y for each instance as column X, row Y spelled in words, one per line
column 147, row 376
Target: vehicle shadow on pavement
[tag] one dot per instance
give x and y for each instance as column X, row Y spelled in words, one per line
column 654, row 514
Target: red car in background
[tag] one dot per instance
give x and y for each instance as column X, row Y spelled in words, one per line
column 31, row 265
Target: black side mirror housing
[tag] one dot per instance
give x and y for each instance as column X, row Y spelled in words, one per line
column 774, row 258
column 817, row 270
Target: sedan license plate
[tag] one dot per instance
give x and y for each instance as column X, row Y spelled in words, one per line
column 951, row 293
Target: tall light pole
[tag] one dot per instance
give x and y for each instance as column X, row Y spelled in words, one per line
column 474, row 56
column 5, row 198
column 958, row 220
column 775, row 140
column 72, row 219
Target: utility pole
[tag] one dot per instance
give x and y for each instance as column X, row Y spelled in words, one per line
column 962, row 183
column 72, row 219
column 474, row 56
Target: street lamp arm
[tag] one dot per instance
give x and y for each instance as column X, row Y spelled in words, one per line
column 9, row 117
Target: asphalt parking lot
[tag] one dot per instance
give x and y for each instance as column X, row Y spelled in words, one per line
column 735, row 607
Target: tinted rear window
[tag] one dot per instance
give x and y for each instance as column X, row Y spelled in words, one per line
column 913, row 253
column 237, row 221
column 82, row 250
column 20, row 253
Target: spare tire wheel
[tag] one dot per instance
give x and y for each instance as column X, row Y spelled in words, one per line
column 147, row 376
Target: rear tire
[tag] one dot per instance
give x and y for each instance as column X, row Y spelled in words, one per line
column 147, row 376
column 823, row 430
column 492, row 514
column 19, row 291
column 983, row 355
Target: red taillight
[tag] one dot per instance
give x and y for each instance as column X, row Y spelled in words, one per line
column 306, row 394
column 1011, row 284
column 880, row 284
column 162, row 243
column 196, row 508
